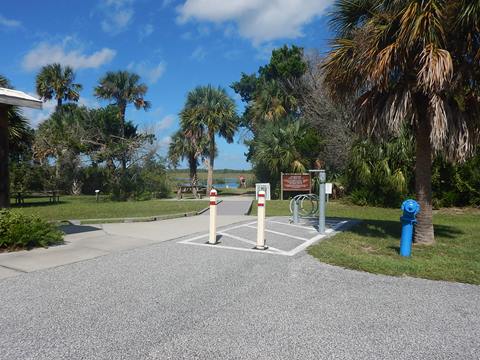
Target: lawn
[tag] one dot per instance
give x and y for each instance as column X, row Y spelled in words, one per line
column 85, row 207
column 373, row 244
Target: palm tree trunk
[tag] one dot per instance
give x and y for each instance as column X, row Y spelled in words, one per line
column 123, row 159
column 193, row 175
column 59, row 103
column 423, row 182
column 4, row 174
column 211, row 155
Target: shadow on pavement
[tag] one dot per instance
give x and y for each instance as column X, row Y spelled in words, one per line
column 77, row 229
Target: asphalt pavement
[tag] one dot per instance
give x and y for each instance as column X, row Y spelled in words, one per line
column 169, row 300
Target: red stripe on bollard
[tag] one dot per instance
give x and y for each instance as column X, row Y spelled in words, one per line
column 261, row 204
column 261, row 195
column 213, row 203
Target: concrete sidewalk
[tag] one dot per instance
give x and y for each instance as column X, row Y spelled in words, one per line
column 90, row 241
column 233, row 205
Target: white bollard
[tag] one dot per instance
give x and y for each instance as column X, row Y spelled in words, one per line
column 213, row 217
column 261, row 222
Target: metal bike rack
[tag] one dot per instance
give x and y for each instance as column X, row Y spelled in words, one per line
column 307, row 205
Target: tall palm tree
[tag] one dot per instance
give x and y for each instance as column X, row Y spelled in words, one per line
column 56, row 81
column 413, row 63
column 123, row 88
column 214, row 112
column 186, row 145
column 13, row 129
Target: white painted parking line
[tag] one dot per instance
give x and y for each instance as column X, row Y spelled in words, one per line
column 281, row 234
column 247, row 241
column 188, row 241
column 334, row 226
column 234, row 248
column 293, row 225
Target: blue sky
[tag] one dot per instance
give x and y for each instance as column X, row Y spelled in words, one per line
column 174, row 45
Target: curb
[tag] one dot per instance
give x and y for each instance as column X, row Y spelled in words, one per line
column 137, row 219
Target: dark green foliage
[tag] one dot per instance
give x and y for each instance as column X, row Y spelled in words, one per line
column 75, row 136
column 272, row 94
column 18, row 231
column 456, row 185
column 286, row 63
column 380, row 173
column 289, row 145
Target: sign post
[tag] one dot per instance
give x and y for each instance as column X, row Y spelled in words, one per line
column 322, row 177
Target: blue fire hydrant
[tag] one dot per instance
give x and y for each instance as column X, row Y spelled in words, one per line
column 410, row 210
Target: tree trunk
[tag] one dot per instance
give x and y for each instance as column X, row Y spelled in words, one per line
column 59, row 103
column 211, row 155
column 123, row 159
column 423, row 182
column 193, row 175
column 4, row 174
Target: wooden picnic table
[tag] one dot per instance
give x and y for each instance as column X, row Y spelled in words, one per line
column 187, row 188
column 52, row 195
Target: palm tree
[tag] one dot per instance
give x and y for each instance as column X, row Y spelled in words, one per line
column 213, row 112
column 411, row 63
column 123, row 88
column 186, row 145
column 13, row 129
column 56, row 81
column 278, row 146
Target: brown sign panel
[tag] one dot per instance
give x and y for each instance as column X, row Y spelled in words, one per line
column 296, row 182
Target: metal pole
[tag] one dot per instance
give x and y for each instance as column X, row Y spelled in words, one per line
column 295, row 211
column 281, row 186
column 321, row 202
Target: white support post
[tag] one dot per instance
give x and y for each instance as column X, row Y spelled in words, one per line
column 212, row 240
column 261, row 221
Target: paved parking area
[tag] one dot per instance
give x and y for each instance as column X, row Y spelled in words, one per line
column 282, row 236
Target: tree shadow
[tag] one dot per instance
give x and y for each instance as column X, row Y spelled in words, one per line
column 35, row 204
column 77, row 229
column 388, row 228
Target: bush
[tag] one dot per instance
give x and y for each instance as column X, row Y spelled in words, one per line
column 19, row 231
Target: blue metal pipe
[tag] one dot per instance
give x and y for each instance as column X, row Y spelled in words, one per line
column 410, row 210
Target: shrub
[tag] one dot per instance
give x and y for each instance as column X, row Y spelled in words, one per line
column 19, row 231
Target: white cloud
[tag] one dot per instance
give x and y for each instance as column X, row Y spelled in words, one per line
column 35, row 117
column 118, row 15
column 145, row 31
column 165, row 123
column 9, row 23
column 199, row 53
column 257, row 20
column 46, row 53
column 150, row 72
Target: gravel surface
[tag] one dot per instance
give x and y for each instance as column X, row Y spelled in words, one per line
column 171, row 301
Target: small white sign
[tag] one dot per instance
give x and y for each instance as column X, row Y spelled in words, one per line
column 265, row 187
column 328, row 188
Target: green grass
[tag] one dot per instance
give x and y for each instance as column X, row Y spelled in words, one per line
column 373, row 244
column 85, row 207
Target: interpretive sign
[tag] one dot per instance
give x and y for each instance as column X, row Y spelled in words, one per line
column 296, row 182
